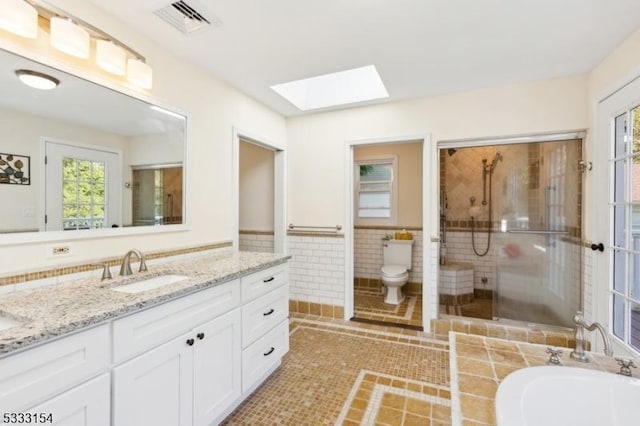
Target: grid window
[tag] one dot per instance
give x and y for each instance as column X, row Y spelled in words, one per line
column 83, row 194
column 625, row 207
column 375, row 190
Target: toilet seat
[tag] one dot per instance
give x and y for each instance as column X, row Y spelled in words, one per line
column 393, row 271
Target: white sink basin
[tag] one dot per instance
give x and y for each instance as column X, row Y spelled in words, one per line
column 6, row 323
column 561, row 396
column 150, row 283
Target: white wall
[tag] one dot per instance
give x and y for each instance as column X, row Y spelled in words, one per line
column 158, row 148
column 214, row 108
column 256, row 187
column 316, row 141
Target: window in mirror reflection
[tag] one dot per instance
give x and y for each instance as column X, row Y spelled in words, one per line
column 83, row 194
column 157, row 195
column 82, row 187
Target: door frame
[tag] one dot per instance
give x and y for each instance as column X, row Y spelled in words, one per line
column 279, row 188
column 428, row 183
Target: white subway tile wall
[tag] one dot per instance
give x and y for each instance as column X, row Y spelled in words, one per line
column 456, row 281
column 256, row 242
column 316, row 269
column 368, row 253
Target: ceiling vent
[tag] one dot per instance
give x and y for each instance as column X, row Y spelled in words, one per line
column 188, row 18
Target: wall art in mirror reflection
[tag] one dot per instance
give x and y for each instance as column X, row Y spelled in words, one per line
column 15, row 169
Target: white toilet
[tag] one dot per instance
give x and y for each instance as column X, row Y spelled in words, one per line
column 395, row 271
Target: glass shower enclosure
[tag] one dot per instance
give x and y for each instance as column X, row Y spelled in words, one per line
column 515, row 216
column 539, row 269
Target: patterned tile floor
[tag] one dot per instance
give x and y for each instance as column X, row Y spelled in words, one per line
column 345, row 373
column 369, row 305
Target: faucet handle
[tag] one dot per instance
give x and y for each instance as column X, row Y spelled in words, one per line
column 106, row 272
column 625, row 366
column 554, row 357
column 143, row 264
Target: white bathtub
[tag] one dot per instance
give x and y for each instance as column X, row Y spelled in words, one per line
column 567, row 396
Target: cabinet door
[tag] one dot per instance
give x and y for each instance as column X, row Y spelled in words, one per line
column 84, row 405
column 156, row 388
column 217, row 369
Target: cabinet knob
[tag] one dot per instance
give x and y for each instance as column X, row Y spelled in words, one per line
column 269, row 312
column 200, row 336
column 190, row 342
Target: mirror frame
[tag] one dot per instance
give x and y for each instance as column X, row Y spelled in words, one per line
column 11, row 239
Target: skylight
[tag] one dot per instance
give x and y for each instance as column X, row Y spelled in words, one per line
column 338, row 88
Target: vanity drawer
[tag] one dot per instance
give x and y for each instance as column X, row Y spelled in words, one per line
column 261, row 315
column 142, row 331
column 264, row 355
column 29, row 377
column 262, row 282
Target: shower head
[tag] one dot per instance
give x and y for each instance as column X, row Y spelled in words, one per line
column 451, row 151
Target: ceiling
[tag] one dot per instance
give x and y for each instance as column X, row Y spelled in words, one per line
column 420, row 47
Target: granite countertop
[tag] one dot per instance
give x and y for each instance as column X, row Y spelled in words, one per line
column 48, row 312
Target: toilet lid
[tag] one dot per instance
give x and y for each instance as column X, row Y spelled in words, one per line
column 393, row 270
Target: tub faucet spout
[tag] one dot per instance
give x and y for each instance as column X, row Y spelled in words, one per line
column 579, row 354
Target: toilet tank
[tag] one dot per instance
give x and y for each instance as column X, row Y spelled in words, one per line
column 397, row 252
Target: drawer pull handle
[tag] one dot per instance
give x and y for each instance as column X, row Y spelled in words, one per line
column 190, row 342
column 266, row 314
column 200, row 336
column 269, row 352
column 268, row 280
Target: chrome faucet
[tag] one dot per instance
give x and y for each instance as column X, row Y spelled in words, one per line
column 579, row 354
column 125, row 267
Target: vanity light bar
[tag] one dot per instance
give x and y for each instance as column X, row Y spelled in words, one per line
column 73, row 36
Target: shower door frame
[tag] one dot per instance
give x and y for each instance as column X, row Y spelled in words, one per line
column 497, row 141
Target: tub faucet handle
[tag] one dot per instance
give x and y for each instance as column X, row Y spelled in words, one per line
column 625, row 366
column 554, row 356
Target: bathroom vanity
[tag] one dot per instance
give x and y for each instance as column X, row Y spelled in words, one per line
column 186, row 353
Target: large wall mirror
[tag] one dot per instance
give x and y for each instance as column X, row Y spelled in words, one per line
column 81, row 156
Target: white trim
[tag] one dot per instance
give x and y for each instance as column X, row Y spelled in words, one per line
column 279, row 187
column 428, row 160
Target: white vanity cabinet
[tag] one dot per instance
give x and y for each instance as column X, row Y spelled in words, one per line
column 60, row 378
column 265, row 325
column 193, row 378
column 187, row 362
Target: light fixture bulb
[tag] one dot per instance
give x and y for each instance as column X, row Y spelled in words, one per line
column 139, row 74
column 19, row 17
column 69, row 38
column 37, row 80
column 111, row 57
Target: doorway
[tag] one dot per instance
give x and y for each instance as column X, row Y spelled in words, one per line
column 82, row 187
column 256, row 204
column 363, row 277
column 259, row 194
